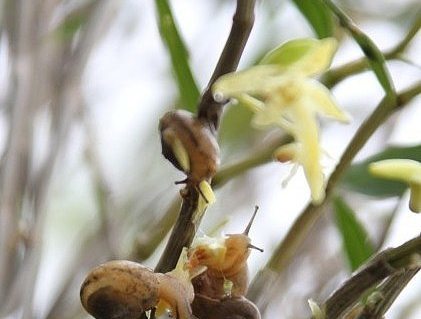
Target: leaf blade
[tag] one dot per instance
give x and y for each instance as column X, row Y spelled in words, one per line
column 188, row 89
column 356, row 243
column 318, row 15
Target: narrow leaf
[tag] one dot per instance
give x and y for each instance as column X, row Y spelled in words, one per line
column 318, row 15
column 189, row 92
column 356, row 243
column 358, row 178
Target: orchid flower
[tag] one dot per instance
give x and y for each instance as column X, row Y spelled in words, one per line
column 405, row 170
column 281, row 92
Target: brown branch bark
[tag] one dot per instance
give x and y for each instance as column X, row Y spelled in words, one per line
column 387, row 263
column 209, row 112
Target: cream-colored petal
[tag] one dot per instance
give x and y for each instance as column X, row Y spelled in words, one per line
column 309, row 158
column 317, row 60
column 253, row 104
column 404, row 170
column 316, row 311
column 259, row 79
column 322, row 100
column 207, row 191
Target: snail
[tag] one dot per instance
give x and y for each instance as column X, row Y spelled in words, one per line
column 225, row 261
column 220, row 289
column 122, row 289
column 189, row 144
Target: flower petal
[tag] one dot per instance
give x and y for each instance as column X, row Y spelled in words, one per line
column 322, row 100
column 306, row 56
column 255, row 80
column 319, row 59
column 309, row 157
column 404, row 170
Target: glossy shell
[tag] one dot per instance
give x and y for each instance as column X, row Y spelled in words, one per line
column 119, row 290
column 197, row 139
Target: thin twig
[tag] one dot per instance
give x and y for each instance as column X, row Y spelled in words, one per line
column 289, row 246
column 336, row 75
column 383, row 265
column 209, row 111
column 243, row 21
column 374, row 56
column 385, row 294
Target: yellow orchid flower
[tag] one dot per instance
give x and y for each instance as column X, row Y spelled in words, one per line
column 405, row 170
column 281, row 92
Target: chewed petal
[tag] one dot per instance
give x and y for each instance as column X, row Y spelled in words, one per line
column 319, row 59
column 255, row 80
column 322, row 100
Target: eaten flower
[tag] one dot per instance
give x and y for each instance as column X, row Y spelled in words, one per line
column 405, row 170
column 281, row 92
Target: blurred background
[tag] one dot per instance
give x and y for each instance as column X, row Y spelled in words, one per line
column 82, row 87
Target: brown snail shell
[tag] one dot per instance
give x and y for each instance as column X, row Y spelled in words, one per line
column 119, row 289
column 196, row 138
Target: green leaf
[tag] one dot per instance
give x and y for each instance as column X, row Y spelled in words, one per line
column 188, row 89
column 356, row 243
column 358, row 178
column 318, row 15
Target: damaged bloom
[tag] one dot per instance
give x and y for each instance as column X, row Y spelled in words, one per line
column 281, row 92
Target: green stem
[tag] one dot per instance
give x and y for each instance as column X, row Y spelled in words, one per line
column 374, row 56
column 336, row 75
column 258, row 158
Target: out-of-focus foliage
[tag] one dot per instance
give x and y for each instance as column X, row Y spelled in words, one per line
column 355, row 239
column 189, row 92
column 318, row 15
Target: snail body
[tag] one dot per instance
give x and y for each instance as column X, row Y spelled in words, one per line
column 231, row 267
column 220, row 289
column 122, row 289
